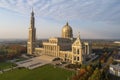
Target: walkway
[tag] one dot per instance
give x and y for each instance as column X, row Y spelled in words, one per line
column 35, row 62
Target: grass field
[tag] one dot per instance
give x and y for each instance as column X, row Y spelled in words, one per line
column 5, row 65
column 47, row 72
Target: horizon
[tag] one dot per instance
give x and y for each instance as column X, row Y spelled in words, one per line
column 93, row 19
column 1, row 40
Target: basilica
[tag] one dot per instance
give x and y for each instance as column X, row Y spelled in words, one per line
column 66, row 47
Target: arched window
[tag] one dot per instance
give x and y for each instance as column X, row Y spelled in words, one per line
column 74, row 50
column 77, row 58
column 77, row 51
column 74, row 57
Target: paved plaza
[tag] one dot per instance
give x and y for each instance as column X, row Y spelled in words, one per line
column 35, row 62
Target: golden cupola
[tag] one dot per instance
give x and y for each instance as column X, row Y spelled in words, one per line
column 67, row 31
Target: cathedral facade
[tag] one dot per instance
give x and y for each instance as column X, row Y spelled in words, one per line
column 65, row 47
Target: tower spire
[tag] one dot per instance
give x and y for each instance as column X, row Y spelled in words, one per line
column 32, row 19
column 32, row 13
column 32, row 35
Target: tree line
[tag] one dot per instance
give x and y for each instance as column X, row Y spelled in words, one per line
column 11, row 51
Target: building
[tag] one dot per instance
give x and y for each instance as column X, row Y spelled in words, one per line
column 115, row 69
column 115, row 66
column 66, row 47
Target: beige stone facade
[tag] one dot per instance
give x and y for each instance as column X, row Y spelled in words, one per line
column 65, row 47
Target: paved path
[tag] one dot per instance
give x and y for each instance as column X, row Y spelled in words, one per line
column 31, row 63
column 8, row 69
column 35, row 62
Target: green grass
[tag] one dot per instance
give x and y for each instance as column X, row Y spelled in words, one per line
column 5, row 65
column 47, row 72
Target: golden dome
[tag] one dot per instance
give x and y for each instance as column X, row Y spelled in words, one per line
column 67, row 31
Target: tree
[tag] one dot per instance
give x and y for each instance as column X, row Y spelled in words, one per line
column 96, row 75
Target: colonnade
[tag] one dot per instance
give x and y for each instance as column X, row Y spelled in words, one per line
column 51, row 50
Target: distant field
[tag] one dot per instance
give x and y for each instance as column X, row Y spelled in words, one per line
column 47, row 72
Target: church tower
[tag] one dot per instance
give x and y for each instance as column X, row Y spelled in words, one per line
column 32, row 35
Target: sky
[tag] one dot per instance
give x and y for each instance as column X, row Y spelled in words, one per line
column 94, row 19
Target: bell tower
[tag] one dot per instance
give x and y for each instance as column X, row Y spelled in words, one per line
column 32, row 35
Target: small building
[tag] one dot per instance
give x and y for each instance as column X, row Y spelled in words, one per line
column 115, row 66
column 115, row 69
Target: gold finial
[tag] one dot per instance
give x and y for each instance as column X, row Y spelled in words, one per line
column 67, row 24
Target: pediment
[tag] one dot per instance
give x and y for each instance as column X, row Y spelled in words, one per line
column 77, row 42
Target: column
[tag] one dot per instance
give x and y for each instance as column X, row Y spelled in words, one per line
column 85, row 49
column 88, row 50
column 54, row 50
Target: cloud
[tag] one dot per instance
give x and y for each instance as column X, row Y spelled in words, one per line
column 100, row 10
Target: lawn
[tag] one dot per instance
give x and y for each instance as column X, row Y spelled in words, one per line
column 5, row 65
column 47, row 72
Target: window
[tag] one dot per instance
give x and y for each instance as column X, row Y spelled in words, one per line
column 77, row 58
column 65, row 55
column 74, row 50
column 77, row 51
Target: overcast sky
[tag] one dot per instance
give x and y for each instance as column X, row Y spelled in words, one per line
column 94, row 19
